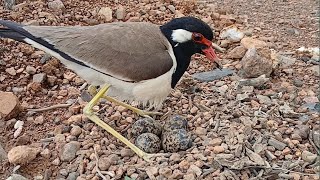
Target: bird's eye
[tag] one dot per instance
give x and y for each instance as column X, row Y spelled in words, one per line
column 197, row 37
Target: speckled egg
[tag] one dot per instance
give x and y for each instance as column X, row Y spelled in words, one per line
column 146, row 125
column 148, row 142
column 176, row 140
column 175, row 122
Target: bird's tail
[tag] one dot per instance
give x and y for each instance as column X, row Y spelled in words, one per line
column 11, row 30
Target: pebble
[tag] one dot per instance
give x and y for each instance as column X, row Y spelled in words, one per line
column 166, row 172
column 69, row 151
column 56, row 5
column 31, row 70
column 237, row 52
column 16, row 177
column 3, row 153
column 39, row 78
column 172, row 8
column 302, row 131
column 232, row 33
column 104, row 163
column 256, row 62
column 308, row 156
column 212, row 75
column 298, row 82
column 56, row 162
column 121, row 13
column 218, row 149
column 106, row 12
column 22, row 154
column 125, row 152
column 249, row 42
column 215, row 142
column 11, row 71
column 39, row 120
column 73, row 176
column 46, row 153
column 264, row 99
column 9, row 105
column 195, row 170
column 75, row 131
column 200, row 131
column 277, row 144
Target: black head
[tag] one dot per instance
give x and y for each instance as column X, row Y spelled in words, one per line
column 190, row 34
column 187, row 36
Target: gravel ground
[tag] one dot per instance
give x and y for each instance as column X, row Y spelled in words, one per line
column 241, row 127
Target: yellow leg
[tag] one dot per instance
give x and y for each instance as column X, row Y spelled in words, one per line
column 93, row 91
column 89, row 113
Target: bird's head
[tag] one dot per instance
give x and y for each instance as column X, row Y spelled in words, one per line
column 194, row 35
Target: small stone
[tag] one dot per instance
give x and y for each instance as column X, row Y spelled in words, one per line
column 308, row 156
column 175, row 157
column 125, row 152
column 212, row 75
column 200, row 131
column 311, row 99
column 189, row 176
column 148, row 142
column 172, row 8
column 176, row 174
column 215, row 142
column 104, row 163
column 69, row 151
column 3, row 154
column 193, row 110
column 75, row 119
column 269, row 155
column 195, row 169
column 56, row 162
column 9, row 105
column 277, row 144
column 286, row 151
column 256, row 62
column 284, row 61
column 249, row 42
column 63, row 172
column 22, row 154
column 121, row 13
column 298, row 82
column 232, row 33
column 242, row 97
column 315, row 69
column 46, row 153
column 16, row 177
column 237, row 53
column 166, row 172
column 73, row 176
column 106, row 12
column 56, row 5
column 302, row 131
column 218, row 149
column 264, row 99
column 254, row 82
column 39, row 78
column 39, row 120
column 11, row 71
column 31, row 70
column 75, row 131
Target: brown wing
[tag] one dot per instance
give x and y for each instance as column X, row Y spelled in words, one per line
column 128, row 51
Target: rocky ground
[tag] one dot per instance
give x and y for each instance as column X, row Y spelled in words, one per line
column 256, row 119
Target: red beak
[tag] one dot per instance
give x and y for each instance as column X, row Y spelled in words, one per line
column 210, row 54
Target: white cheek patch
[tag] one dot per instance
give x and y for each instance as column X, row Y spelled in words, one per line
column 181, row 35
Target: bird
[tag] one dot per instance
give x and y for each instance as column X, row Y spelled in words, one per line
column 130, row 61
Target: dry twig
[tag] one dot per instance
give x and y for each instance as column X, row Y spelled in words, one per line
column 50, row 107
column 97, row 165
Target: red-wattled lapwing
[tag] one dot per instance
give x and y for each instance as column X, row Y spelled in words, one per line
column 134, row 61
